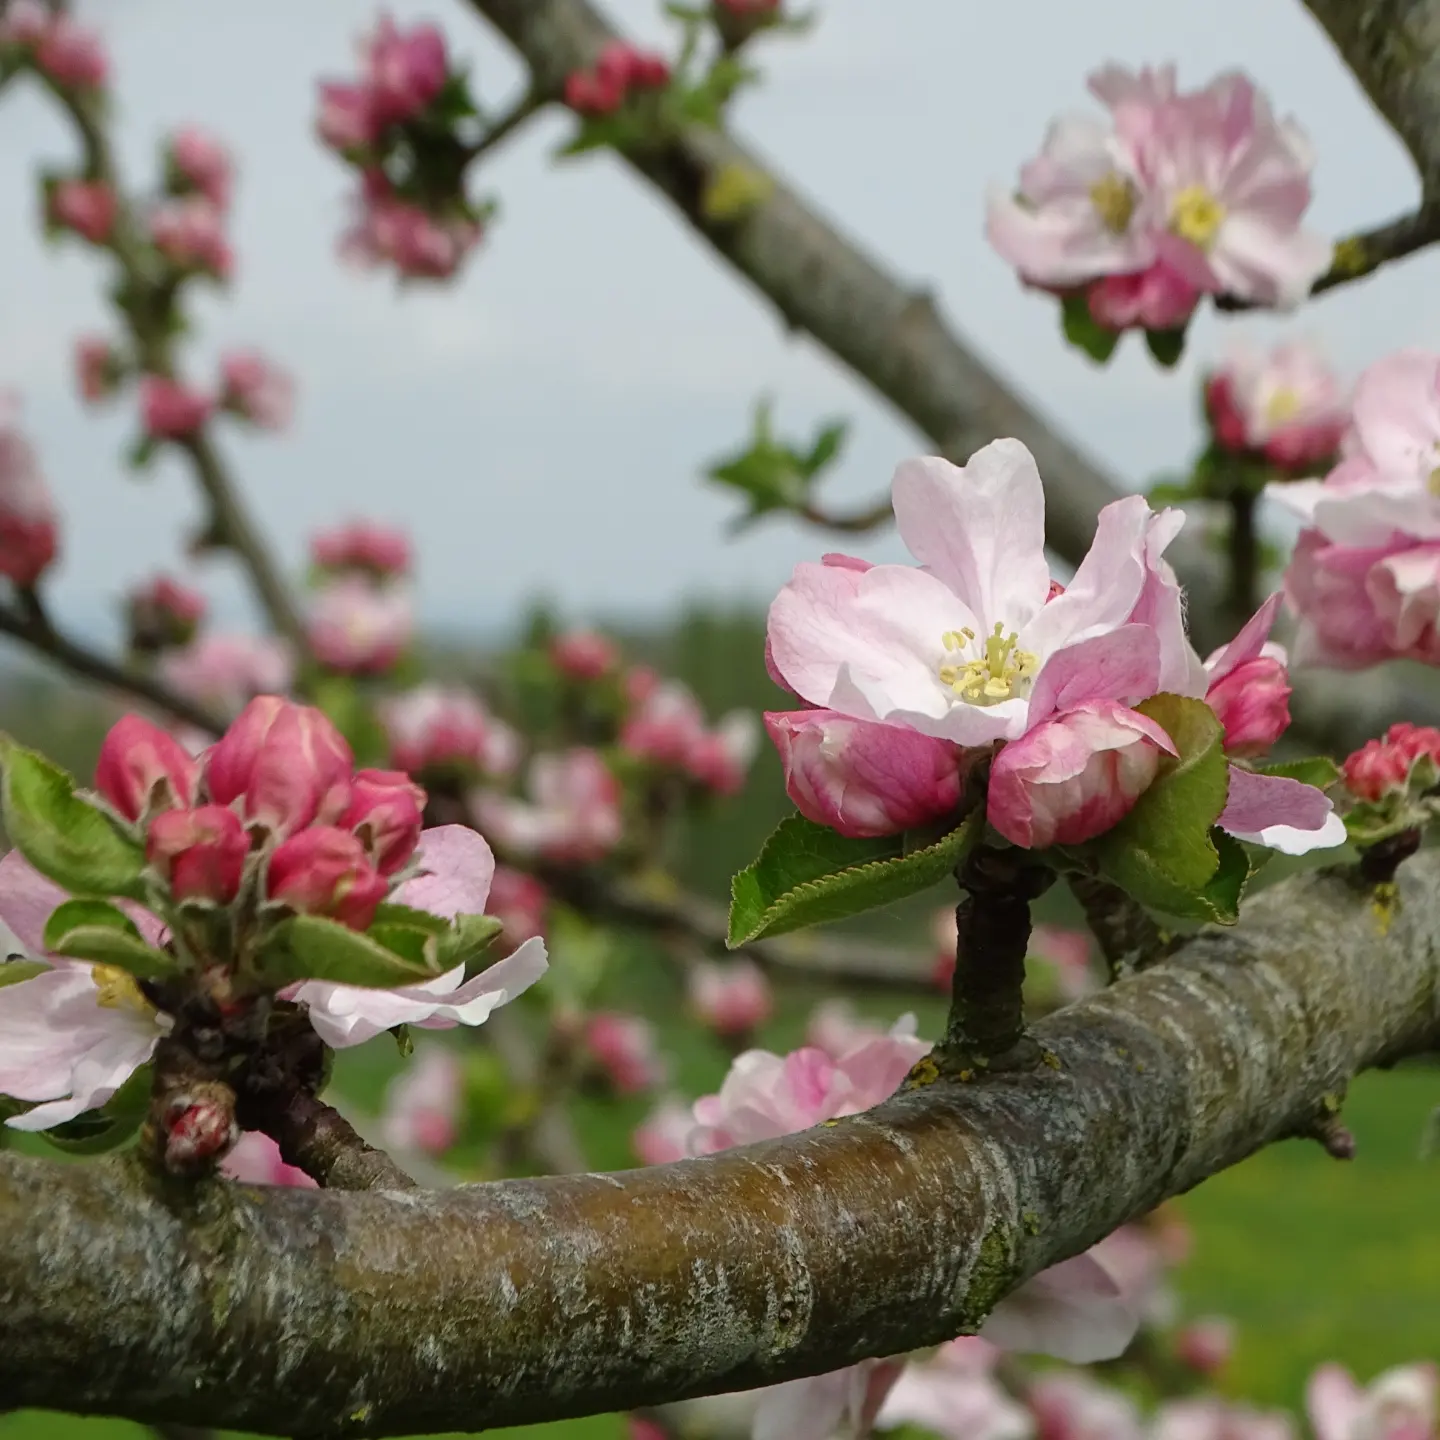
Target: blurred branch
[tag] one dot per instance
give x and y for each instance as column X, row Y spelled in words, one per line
column 548, row 1134
column 315, row 1313
column 32, row 627
column 149, row 296
column 857, row 522
column 855, row 963
column 505, row 125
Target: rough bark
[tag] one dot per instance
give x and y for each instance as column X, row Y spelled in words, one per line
column 386, row 1313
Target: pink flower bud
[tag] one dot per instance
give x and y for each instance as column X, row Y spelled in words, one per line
column 190, row 234
column 395, row 232
column 586, row 94
column 1382, row 767
column 142, row 769
column 71, row 55
column 519, row 902
column 29, row 532
column 584, row 654
column 163, row 613
column 382, row 551
column 1252, row 702
column 257, row 391
column 406, row 70
column 641, row 682
column 1155, row 299
column 98, row 367
column 201, row 853
column 623, row 1046
column 201, row 163
column 325, row 871
column 1205, row 1346
column 359, row 628
column 347, row 118
column 285, row 764
column 170, row 410
column 637, row 1427
column 863, row 778
column 386, row 811
column 24, row 23
column 437, row 727
column 199, row 1128
column 1072, row 778
column 88, row 207
column 720, row 759
column 732, row 999
column 1226, row 421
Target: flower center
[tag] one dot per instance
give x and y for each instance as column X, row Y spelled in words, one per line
column 1001, row 672
column 1196, row 215
column 117, row 989
column 1113, row 197
column 1283, row 405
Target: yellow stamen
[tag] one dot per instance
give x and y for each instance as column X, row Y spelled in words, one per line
column 1283, row 405
column 1001, row 673
column 117, row 989
column 1196, row 215
column 1433, row 483
column 1114, row 197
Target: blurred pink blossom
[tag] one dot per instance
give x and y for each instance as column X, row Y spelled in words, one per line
column 422, row 1106
column 1399, row 1404
column 99, row 367
column 360, row 628
column 624, row 1047
column 584, row 654
column 573, row 814
column 255, row 1160
column 1286, row 404
column 170, row 410
column 88, row 207
column 664, row 1135
column 256, row 389
column 190, row 233
column 226, row 670
column 382, row 551
column 440, row 727
column 29, row 527
column 731, row 999
column 202, row 163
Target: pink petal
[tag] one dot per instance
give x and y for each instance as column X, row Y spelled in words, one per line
column 1123, row 665
column 1074, row 1311
column 457, row 867
column 1334, row 1402
column 1248, row 644
column 1280, row 813
column 27, row 900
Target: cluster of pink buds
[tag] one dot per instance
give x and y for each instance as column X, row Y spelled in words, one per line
column 362, row 614
column 398, row 125
column 189, row 232
column 69, row 55
column 665, row 727
column 1385, row 767
column 29, row 529
column 444, row 736
column 89, row 208
column 172, row 410
column 251, row 388
column 620, row 74
column 571, row 816
column 584, row 654
column 732, row 1000
column 163, row 613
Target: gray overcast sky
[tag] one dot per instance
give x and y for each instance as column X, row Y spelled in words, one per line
column 540, row 424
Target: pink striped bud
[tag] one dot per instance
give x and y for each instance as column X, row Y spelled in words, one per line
column 1252, row 702
column 386, row 811
column 142, row 769
column 325, row 871
column 200, row 163
column 170, row 410
column 201, row 853
column 256, row 390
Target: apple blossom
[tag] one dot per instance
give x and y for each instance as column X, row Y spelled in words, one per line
column 255, row 1159
column 456, row 867
column 444, row 728
column 1210, row 1418
column 421, row 1111
column 844, row 1402
column 572, row 818
column 142, row 769
column 955, row 1394
column 88, row 207
column 386, row 810
column 584, row 654
column 162, row 613
column 1205, row 1345
column 99, row 367
column 256, row 390
column 285, row 765
column 519, row 901
column 664, row 1135
column 1177, row 195
column 71, row 54
column 404, row 70
column 380, row 551
column 1382, row 767
column 1072, row 778
column 665, row 726
column 623, row 1047
column 420, row 245
column 190, row 233
column 732, row 999
column 835, row 1028
column 347, row 119
column 199, row 162
column 29, row 530
column 1249, row 686
column 226, row 671
column 199, row 853
column 1069, row 1405
column 1286, row 405
column 170, row 410
column 720, row 760
column 1397, row 1405
column 360, row 628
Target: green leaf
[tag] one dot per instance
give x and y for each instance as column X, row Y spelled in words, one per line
column 1162, row 852
column 1084, row 332
column 827, row 446
column 142, row 452
column 64, row 837
column 1317, row 770
column 309, row 947
column 806, row 874
column 468, row 937
column 99, row 1131
column 1172, row 492
column 393, row 914
column 1167, row 346
column 1226, row 887
column 95, row 930
column 13, row 972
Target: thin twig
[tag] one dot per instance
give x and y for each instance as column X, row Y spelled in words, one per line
column 856, row 522
column 529, row 104
column 1127, row 936
column 36, row 631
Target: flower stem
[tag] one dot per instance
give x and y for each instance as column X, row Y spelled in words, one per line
column 986, row 1027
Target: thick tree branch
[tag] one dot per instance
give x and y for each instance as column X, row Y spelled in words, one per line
column 35, row 630
column 311, row 1313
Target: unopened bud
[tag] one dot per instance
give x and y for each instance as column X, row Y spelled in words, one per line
column 199, row 1128
column 143, row 769
column 325, row 871
column 386, row 812
column 201, row 853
